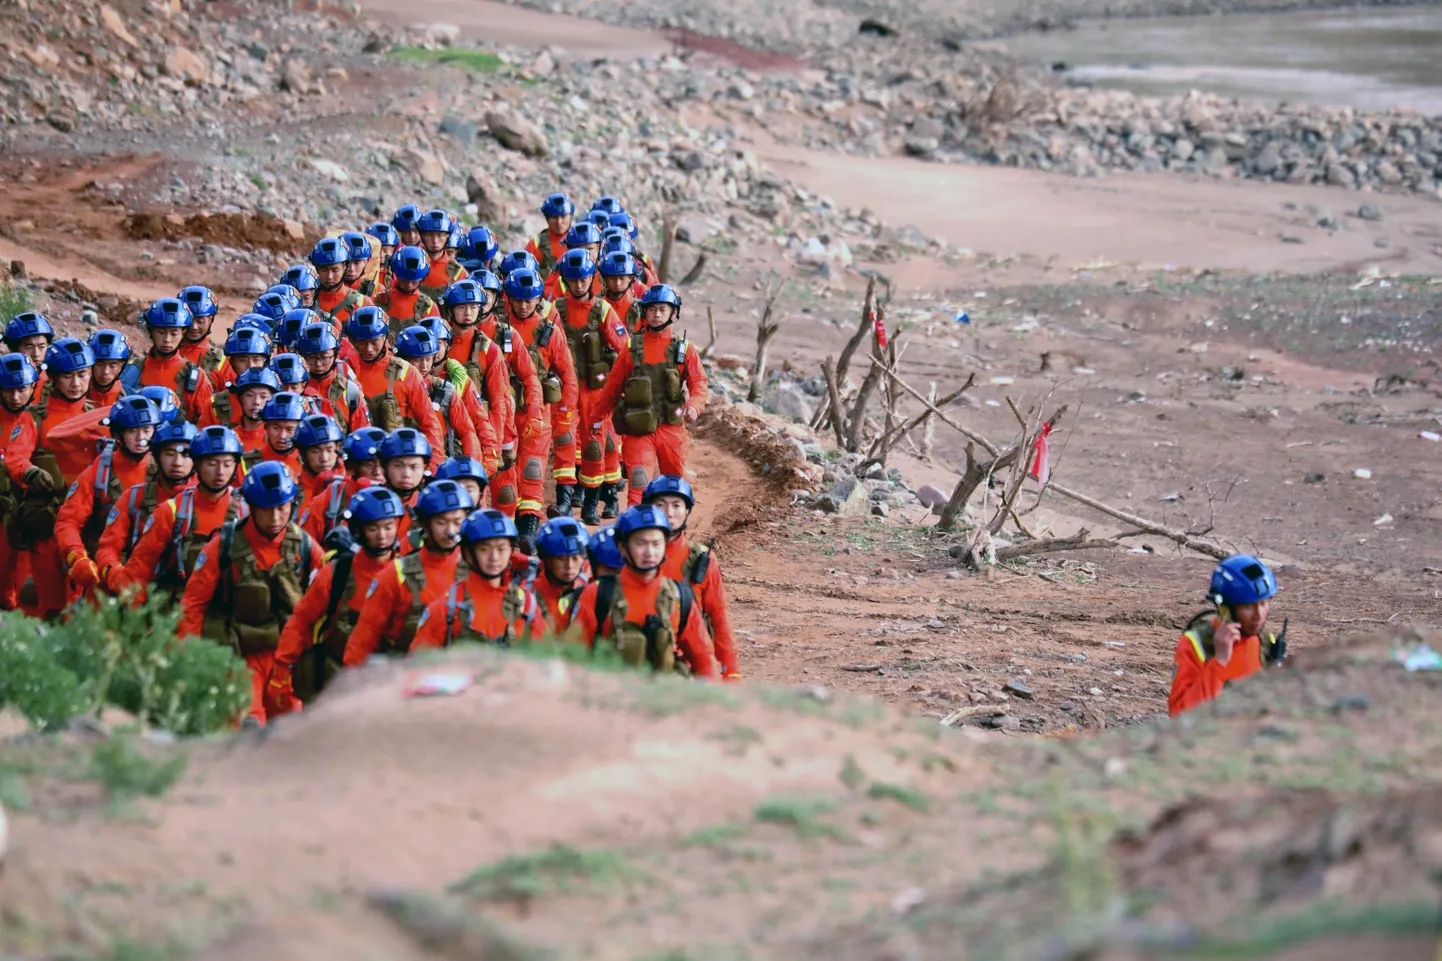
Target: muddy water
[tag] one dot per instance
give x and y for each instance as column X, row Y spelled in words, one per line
column 1371, row 58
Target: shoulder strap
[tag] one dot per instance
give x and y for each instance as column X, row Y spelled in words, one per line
column 638, row 349
column 687, row 598
column 227, row 545
column 597, row 314
column 605, row 596
column 104, row 470
column 340, row 577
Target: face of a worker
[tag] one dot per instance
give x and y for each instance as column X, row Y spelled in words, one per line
column 270, row 521
column 321, row 457
column 380, row 536
column 175, row 462
column 404, row 474
column 564, row 570
column 646, row 549
column 1251, row 618
column 216, row 472
column 492, row 557
column 280, row 434
column 370, row 350
column 369, row 469
column 166, row 340
column 253, row 401
column 73, row 384
column 137, row 439
column 444, row 529
column 675, row 509
column 104, row 372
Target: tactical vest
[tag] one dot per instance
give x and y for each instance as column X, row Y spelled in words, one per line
column 250, row 605
column 107, row 491
column 544, row 257
column 413, row 576
column 211, row 360
column 334, row 505
column 551, row 383
column 348, row 305
column 187, row 379
column 443, row 396
column 653, row 643
column 175, row 565
column 141, row 506
column 223, row 407
column 592, row 355
column 480, row 347
column 385, row 407
column 425, row 306
column 460, row 611
column 34, row 517
column 344, row 394
column 654, row 393
column 453, row 271
column 8, row 504
column 1201, row 631
column 326, row 654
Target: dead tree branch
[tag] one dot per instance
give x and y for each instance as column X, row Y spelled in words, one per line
column 828, row 370
column 974, row 437
column 694, row 274
column 857, row 421
column 1080, row 541
column 883, row 444
column 711, row 329
column 867, row 325
column 668, row 244
column 765, row 330
column 1187, row 540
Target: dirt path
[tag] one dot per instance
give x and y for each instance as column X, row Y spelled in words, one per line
column 504, row 23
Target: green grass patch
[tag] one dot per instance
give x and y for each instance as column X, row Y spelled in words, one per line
column 716, row 834
column 667, row 696
column 466, row 58
column 126, row 772
column 801, row 813
column 560, row 869
column 14, row 300
column 900, row 793
column 1324, row 920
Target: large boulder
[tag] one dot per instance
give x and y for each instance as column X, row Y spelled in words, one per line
column 482, row 191
column 517, row 133
column 791, row 403
column 849, row 498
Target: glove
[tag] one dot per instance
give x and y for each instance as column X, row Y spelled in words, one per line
column 533, row 428
column 40, row 480
column 690, row 413
column 508, row 456
column 281, row 690
column 85, row 574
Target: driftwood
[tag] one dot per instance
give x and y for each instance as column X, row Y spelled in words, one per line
column 828, row 371
column 668, row 244
column 976, row 710
column 1187, row 540
column 1081, row 541
column 765, row 330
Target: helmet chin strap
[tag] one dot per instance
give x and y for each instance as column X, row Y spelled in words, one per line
column 378, row 551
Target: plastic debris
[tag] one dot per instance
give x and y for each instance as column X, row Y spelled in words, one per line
column 439, row 684
column 1362, row 473
column 1419, row 657
column 1429, row 435
column 962, row 317
column 1384, row 519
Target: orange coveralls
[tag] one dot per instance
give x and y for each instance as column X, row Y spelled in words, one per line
column 120, row 527
column 350, row 418
column 406, row 309
column 383, row 615
column 555, row 357
column 691, row 638
column 485, row 598
column 600, row 448
column 1197, row 678
column 326, row 302
column 555, row 249
column 81, row 505
column 527, row 477
column 498, row 409
column 711, row 595
column 331, row 499
column 155, row 542
column 164, row 371
column 412, row 396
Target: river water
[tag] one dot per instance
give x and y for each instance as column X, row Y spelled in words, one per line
column 1370, row 58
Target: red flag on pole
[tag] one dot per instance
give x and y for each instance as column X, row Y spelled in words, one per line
column 878, row 326
column 1040, row 468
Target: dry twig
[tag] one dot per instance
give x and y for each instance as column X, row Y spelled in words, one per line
column 711, row 328
column 765, row 330
column 828, row 371
column 668, row 244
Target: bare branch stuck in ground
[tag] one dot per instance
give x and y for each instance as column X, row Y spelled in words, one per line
column 668, row 245
column 828, row 371
column 765, row 330
column 866, row 326
column 711, row 330
column 694, row 274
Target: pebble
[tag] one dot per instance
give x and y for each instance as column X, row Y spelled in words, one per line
column 1018, row 689
column 1362, row 473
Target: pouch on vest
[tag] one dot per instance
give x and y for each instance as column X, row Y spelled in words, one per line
column 638, row 414
column 385, row 411
column 38, row 509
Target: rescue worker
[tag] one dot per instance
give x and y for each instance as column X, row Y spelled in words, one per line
column 335, row 303
column 421, row 349
column 360, row 452
column 281, row 418
column 596, row 336
column 534, row 321
column 166, row 321
column 405, row 224
column 195, row 346
column 454, row 373
column 174, row 471
column 241, row 407
column 489, row 606
column 656, row 387
column 169, row 543
column 603, row 554
column 111, row 351
column 291, row 371
column 29, row 334
column 39, row 479
column 466, row 471
column 517, row 260
column 330, row 380
column 378, row 277
column 328, row 611
column 122, row 464
column 647, row 617
column 404, row 455
column 306, row 282
column 627, row 223
column 403, row 301
column 287, row 332
column 318, row 440
column 548, row 246
column 245, row 347
column 18, row 380
column 697, row 565
column 274, row 303
column 609, row 205
column 436, row 227
column 490, row 380
column 403, row 590
column 358, row 265
column 478, row 250
column 397, row 395
column 561, row 545
column 1231, row 640
column 582, row 236
column 618, row 276
column 249, row 578
column 165, row 401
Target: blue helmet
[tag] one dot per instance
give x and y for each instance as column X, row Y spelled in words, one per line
column 642, row 517
column 258, row 321
column 1242, row 579
column 406, row 217
column 518, row 260
column 328, row 252
column 16, row 371
column 435, row 221
column 479, row 249
column 561, row 537
column 301, row 277
column 285, row 290
column 214, row 440
column 290, row 325
column 316, row 339
column 582, row 234
column 290, row 370
column 373, row 504
column 524, row 284
column 247, row 340
column 129, row 413
column 457, row 236
column 617, row 243
column 415, row 341
column 357, row 245
column 317, row 429
column 68, row 354
column 458, row 467
column 273, row 306
column 438, row 328
column 464, row 292
column 268, row 484
column 669, row 484
column 487, row 524
column 488, row 281
column 165, row 401
column 404, row 442
column 28, row 324
column 602, row 549
column 199, row 300
column 384, row 233
column 168, row 312
column 109, row 345
column 286, row 405
column 577, row 265
column 363, row 444
column 610, row 235
column 625, row 221
column 368, row 323
column 410, row 264
column 661, row 294
column 437, row 497
column 557, row 205
column 599, row 218
column 175, row 432
column 611, row 205
column 256, row 377
column 618, row 264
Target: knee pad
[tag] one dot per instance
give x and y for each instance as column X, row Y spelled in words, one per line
column 534, row 469
column 505, row 495
column 591, row 450
column 638, row 477
column 611, row 445
column 566, row 440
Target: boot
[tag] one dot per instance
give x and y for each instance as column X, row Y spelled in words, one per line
column 562, row 507
column 526, row 527
column 609, row 508
column 589, row 514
